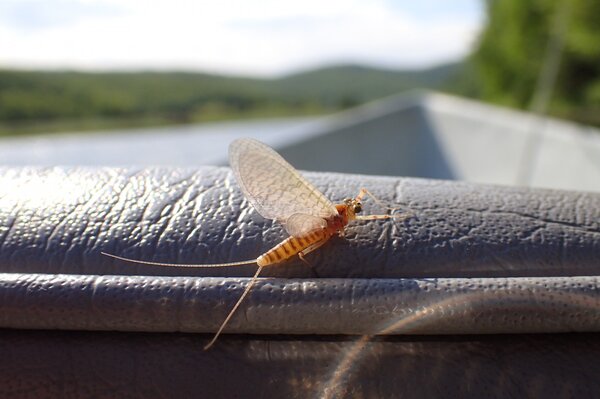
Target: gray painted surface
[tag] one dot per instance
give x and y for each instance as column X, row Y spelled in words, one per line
column 420, row 306
column 417, row 134
column 477, row 239
column 444, row 137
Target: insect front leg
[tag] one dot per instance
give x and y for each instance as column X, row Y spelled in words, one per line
column 389, row 214
column 398, row 217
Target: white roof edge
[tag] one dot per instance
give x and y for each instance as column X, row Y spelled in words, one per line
column 429, row 100
column 441, row 102
column 473, row 109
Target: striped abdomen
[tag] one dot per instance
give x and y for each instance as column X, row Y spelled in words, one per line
column 290, row 247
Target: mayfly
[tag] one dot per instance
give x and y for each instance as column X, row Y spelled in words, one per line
column 277, row 191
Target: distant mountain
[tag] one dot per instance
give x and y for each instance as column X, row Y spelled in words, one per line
column 58, row 100
column 363, row 83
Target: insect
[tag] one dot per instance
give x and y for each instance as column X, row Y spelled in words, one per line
column 277, row 191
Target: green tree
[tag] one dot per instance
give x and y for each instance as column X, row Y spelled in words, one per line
column 521, row 39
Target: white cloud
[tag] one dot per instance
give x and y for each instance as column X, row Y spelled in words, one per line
column 234, row 36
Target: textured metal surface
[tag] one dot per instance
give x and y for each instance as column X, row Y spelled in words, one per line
column 290, row 306
column 38, row 364
column 57, row 221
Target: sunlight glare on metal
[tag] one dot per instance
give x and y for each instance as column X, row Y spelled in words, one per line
column 428, row 315
column 41, row 189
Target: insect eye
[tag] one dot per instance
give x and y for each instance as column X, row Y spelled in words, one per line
column 357, row 207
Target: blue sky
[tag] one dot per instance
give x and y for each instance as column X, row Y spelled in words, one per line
column 257, row 37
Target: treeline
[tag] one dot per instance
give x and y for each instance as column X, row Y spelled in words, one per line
column 39, row 98
column 27, row 96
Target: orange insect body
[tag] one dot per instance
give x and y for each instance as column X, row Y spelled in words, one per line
column 293, row 246
column 277, row 191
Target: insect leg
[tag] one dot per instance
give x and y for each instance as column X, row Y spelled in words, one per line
column 398, row 217
column 364, row 191
column 237, row 304
column 390, row 210
column 311, row 248
column 308, row 250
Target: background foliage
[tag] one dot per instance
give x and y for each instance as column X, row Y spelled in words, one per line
column 518, row 40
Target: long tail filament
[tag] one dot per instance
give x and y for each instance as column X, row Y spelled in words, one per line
column 232, row 311
column 144, row 262
column 237, row 304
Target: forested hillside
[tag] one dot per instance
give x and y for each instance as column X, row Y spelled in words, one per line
column 43, row 100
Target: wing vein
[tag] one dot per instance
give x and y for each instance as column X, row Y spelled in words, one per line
column 275, row 189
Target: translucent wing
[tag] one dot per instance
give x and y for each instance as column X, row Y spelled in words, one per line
column 300, row 224
column 273, row 186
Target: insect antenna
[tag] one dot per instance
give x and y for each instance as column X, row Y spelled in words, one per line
column 145, row 262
